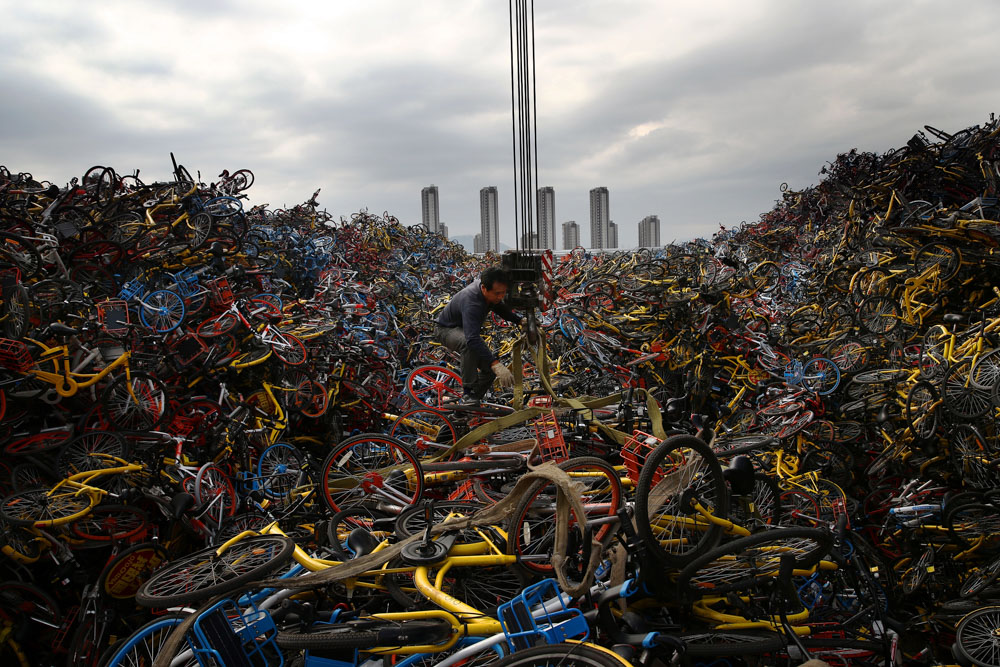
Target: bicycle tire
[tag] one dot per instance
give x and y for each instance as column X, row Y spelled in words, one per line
column 962, row 397
column 177, row 583
column 127, row 415
column 975, row 637
column 161, row 311
column 428, row 386
column 390, row 633
column 821, row 375
column 280, row 468
column 219, row 325
column 704, row 477
column 145, row 644
column 972, row 456
column 980, row 579
column 111, row 523
column 920, row 415
column 35, row 507
column 566, row 654
column 288, row 348
column 879, row 315
column 730, row 643
column 969, row 522
column 326, row 639
column 743, row 562
column 213, row 487
column 352, row 473
column 18, row 252
column 424, row 430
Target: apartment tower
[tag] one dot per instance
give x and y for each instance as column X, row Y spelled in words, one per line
column 599, row 218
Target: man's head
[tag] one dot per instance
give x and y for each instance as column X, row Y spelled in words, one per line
column 494, row 282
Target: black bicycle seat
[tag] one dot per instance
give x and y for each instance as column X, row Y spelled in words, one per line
column 361, row 542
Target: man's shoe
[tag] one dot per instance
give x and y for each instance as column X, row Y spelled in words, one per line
column 467, row 401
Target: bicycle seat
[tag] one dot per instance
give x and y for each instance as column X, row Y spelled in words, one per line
column 361, row 542
column 883, row 415
column 953, row 318
column 60, row 329
column 740, row 474
column 180, row 504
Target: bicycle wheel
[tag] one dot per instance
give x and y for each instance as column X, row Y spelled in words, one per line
column 371, row 469
column 145, row 644
column 986, row 371
column 288, row 348
column 821, row 376
column 43, row 508
column 18, row 252
column 222, row 207
column 136, row 403
column 429, row 386
column 980, row 579
column 764, row 507
column 748, row 562
column 280, row 469
column 878, row 315
column 973, row 457
column 975, row 637
column 567, row 654
column 680, row 470
column 963, row 397
column 218, row 326
column 532, row 529
column 214, row 493
column 921, row 412
column 161, row 311
column 92, row 451
column 204, row 573
column 426, row 431
column 111, row 523
column 969, row 523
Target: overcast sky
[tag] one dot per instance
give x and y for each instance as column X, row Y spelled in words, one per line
column 694, row 111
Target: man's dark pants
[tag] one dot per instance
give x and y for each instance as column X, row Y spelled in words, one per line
column 477, row 376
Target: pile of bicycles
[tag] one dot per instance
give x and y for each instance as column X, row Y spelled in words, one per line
column 228, row 438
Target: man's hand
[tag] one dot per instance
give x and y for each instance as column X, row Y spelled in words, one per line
column 505, row 377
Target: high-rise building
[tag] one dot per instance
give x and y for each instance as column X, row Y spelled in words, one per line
column 546, row 218
column 443, row 230
column 530, row 241
column 489, row 216
column 599, row 218
column 477, row 244
column 649, row 232
column 571, row 234
column 612, row 234
column 430, row 208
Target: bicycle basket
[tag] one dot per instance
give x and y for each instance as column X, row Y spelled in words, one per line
column 113, row 316
column 187, row 348
column 225, row 635
column 131, row 289
column 14, row 356
column 221, row 292
column 532, row 617
column 634, row 453
column 551, row 444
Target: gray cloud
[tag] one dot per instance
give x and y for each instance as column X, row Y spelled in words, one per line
column 693, row 112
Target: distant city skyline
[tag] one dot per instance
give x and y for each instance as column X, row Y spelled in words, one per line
column 604, row 232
